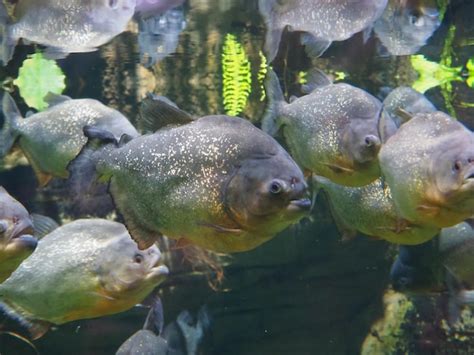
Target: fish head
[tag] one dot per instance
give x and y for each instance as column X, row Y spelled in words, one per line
column 361, row 139
column 14, row 219
column 124, row 268
column 452, row 173
column 265, row 188
column 411, row 24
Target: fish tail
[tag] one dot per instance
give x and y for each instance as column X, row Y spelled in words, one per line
column 276, row 101
column 269, row 10
column 36, row 330
column 11, row 119
column 7, row 43
column 457, row 298
column 85, row 179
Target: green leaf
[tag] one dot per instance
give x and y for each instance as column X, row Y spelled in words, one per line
column 37, row 77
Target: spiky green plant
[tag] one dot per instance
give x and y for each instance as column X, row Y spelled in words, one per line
column 237, row 76
column 37, row 77
column 262, row 73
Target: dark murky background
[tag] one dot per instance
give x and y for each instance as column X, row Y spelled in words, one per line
column 304, row 292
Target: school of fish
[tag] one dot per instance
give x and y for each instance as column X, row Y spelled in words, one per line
column 397, row 169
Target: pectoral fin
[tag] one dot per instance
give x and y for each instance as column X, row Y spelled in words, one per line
column 221, row 229
column 428, row 211
column 338, row 169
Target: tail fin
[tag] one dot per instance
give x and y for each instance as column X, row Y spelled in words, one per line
column 269, row 10
column 84, row 179
column 11, row 117
column 276, row 101
column 7, row 44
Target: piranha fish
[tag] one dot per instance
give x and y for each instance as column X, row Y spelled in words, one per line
column 159, row 35
column 148, row 340
column 16, row 229
column 331, row 132
column 52, row 138
column 322, row 21
column 182, row 336
column 85, row 269
column 429, row 165
column 444, row 264
column 369, row 209
column 64, row 26
column 406, row 25
column 217, row 182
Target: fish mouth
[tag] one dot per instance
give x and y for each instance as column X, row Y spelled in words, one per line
column 22, row 242
column 300, row 205
column 24, row 227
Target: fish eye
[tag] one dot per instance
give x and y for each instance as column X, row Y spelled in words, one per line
column 457, row 166
column 138, row 258
column 417, row 20
column 113, row 3
column 276, row 187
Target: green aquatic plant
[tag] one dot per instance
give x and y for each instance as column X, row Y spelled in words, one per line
column 237, row 76
column 443, row 74
column 388, row 335
column 262, row 73
column 470, row 70
column 37, row 77
column 442, row 6
column 432, row 74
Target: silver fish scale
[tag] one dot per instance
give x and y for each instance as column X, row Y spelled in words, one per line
column 71, row 26
column 181, row 171
column 334, row 20
column 62, row 124
column 419, row 142
column 320, row 118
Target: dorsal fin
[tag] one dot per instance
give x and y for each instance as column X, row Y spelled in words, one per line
column 157, row 112
column 55, row 99
column 403, row 114
column 155, row 320
column 102, row 135
column 43, row 225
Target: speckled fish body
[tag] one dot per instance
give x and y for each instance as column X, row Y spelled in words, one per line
column 52, row 138
column 84, row 269
column 144, row 342
column 456, row 249
column 429, row 166
column 369, row 209
column 207, row 182
column 323, row 21
column 405, row 26
column 16, row 243
column 331, row 132
column 69, row 26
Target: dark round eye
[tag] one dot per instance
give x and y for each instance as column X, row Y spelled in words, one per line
column 3, row 226
column 276, row 187
column 138, row 258
column 457, row 166
column 113, row 4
